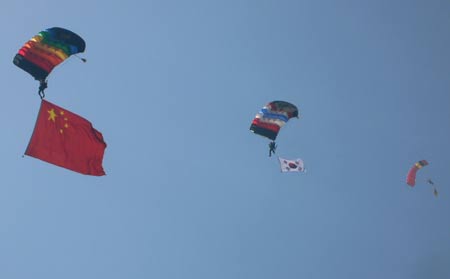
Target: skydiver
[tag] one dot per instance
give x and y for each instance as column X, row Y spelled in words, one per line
column 272, row 148
column 42, row 86
column 430, row 181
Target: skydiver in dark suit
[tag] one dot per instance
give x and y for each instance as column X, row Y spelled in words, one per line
column 272, row 148
column 42, row 86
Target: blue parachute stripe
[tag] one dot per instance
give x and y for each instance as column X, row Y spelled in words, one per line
column 73, row 49
column 270, row 115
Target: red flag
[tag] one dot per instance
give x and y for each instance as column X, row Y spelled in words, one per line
column 67, row 140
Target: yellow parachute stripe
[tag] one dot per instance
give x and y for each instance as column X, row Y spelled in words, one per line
column 52, row 57
column 37, row 42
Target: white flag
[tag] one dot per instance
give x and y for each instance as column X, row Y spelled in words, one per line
column 287, row 165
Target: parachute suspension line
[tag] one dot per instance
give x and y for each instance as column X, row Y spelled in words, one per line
column 81, row 58
column 63, row 63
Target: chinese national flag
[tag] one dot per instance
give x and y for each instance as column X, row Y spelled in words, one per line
column 67, row 140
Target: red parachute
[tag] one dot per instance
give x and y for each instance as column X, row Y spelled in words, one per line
column 411, row 177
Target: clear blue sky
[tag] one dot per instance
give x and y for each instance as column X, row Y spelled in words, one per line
column 190, row 192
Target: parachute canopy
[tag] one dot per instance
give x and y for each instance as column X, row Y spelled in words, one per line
column 46, row 50
column 411, row 177
column 269, row 120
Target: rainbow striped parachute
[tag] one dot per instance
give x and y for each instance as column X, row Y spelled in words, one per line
column 269, row 120
column 46, row 50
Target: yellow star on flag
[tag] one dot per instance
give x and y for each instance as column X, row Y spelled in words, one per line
column 51, row 115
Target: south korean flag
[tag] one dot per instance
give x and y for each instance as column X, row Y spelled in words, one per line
column 287, row 165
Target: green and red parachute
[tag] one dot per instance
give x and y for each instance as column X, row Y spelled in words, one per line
column 46, row 50
column 411, row 176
